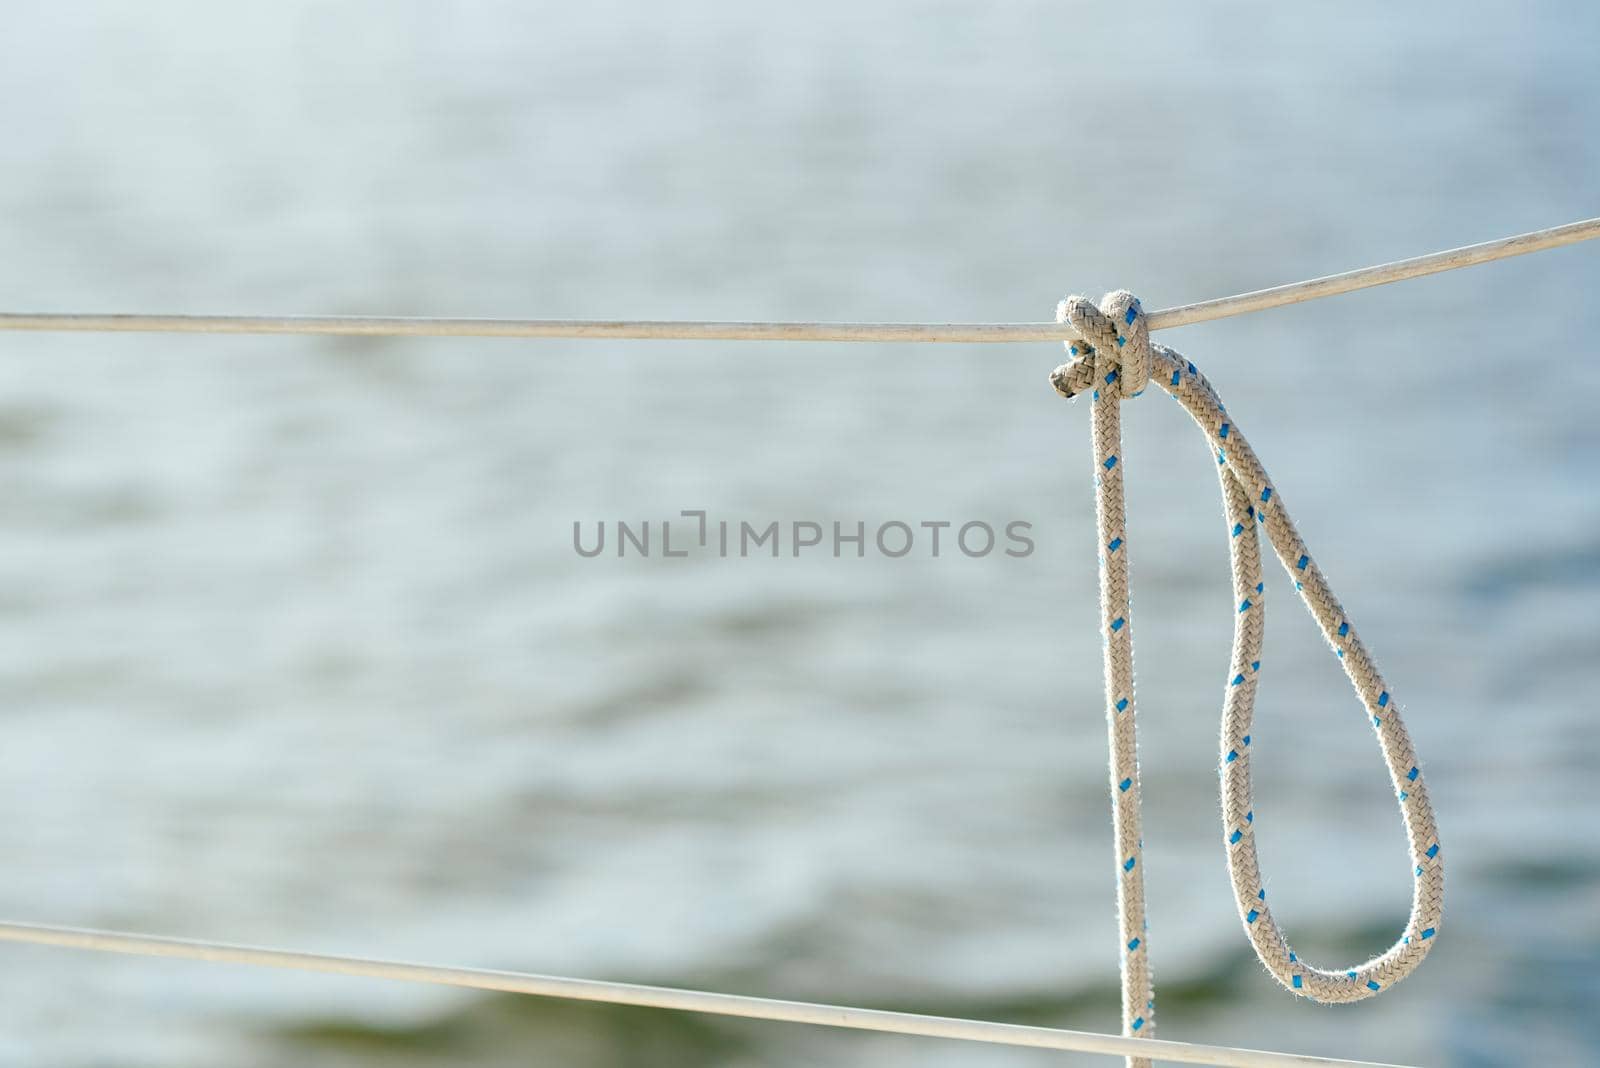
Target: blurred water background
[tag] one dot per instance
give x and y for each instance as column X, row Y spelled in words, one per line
column 296, row 649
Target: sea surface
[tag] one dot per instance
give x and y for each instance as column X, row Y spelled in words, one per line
column 295, row 648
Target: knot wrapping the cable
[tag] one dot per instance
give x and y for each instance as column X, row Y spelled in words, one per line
column 1114, row 337
column 1113, row 358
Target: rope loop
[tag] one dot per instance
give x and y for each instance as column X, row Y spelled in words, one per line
column 1113, row 345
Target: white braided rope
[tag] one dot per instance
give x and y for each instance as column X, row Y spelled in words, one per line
column 1121, row 374
column 1114, row 359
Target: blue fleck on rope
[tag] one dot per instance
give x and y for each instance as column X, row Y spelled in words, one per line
column 1113, row 359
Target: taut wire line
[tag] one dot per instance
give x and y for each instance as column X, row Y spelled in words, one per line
column 661, row 330
column 665, row 998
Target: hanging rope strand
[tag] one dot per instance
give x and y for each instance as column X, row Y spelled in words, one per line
column 1121, row 366
column 1111, row 358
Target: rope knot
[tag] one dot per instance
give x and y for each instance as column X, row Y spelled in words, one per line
column 1112, row 347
